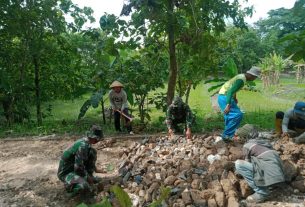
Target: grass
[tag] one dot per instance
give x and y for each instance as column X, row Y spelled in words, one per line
column 260, row 108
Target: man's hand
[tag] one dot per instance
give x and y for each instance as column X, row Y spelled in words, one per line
column 188, row 133
column 227, row 109
column 100, row 170
column 285, row 134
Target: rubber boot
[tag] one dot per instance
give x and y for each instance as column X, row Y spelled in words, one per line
column 278, row 126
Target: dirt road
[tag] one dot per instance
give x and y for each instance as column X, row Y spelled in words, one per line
column 28, row 171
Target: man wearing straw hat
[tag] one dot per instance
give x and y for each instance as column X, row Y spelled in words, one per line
column 228, row 102
column 119, row 105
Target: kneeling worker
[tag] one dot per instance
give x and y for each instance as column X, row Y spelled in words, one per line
column 262, row 166
column 179, row 112
column 77, row 165
column 293, row 119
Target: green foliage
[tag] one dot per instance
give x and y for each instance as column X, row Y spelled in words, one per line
column 164, row 195
column 287, row 26
column 35, row 53
column 230, row 68
column 159, row 100
column 122, row 196
column 84, row 108
column 94, row 101
column 104, row 203
column 184, row 24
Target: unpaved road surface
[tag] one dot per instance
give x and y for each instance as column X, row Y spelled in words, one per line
column 28, row 171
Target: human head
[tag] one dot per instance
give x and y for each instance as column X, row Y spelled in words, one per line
column 247, row 132
column 253, row 73
column 299, row 108
column 177, row 101
column 95, row 134
column 116, row 86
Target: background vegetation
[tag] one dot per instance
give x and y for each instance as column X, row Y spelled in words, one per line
column 55, row 74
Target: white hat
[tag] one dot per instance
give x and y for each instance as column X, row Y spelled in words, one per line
column 116, row 84
column 255, row 71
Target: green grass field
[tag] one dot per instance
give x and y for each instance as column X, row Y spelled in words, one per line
column 260, row 108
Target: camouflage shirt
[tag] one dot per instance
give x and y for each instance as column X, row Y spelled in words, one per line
column 180, row 114
column 80, row 158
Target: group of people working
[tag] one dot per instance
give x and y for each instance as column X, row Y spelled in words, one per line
column 261, row 168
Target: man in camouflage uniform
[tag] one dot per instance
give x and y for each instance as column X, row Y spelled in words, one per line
column 179, row 112
column 77, row 165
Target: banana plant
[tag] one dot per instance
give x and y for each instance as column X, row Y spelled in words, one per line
column 230, row 70
column 93, row 101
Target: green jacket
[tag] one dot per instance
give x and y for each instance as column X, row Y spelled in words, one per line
column 179, row 114
column 79, row 158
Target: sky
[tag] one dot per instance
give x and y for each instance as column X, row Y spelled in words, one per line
column 261, row 7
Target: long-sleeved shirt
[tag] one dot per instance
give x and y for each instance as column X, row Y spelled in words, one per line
column 289, row 114
column 180, row 114
column 267, row 164
column 118, row 101
column 232, row 86
column 76, row 158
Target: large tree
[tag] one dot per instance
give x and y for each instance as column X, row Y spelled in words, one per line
column 182, row 21
column 284, row 29
column 30, row 31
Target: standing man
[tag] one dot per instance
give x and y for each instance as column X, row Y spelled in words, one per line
column 179, row 112
column 262, row 166
column 293, row 119
column 77, row 165
column 119, row 105
column 228, row 102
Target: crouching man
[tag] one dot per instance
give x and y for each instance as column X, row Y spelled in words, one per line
column 262, row 166
column 293, row 119
column 77, row 165
column 179, row 112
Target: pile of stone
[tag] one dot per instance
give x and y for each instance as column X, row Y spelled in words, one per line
column 199, row 172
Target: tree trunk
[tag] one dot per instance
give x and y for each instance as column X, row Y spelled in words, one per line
column 172, row 54
column 141, row 108
column 179, row 86
column 37, row 91
column 103, row 111
column 188, row 91
column 7, row 104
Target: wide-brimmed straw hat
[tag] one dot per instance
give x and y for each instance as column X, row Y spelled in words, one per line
column 116, row 84
column 255, row 71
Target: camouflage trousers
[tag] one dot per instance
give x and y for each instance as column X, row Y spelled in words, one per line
column 76, row 184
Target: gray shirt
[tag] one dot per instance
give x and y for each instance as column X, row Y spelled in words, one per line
column 118, row 101
column 289, row 114
column 267, row 164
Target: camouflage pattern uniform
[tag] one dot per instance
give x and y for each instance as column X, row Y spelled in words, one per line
column 77, row 164
column 179, row 112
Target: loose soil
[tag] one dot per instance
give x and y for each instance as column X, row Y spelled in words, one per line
column 28, row 171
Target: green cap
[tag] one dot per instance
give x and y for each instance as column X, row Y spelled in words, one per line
column 177, row 101
column 95, row 133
